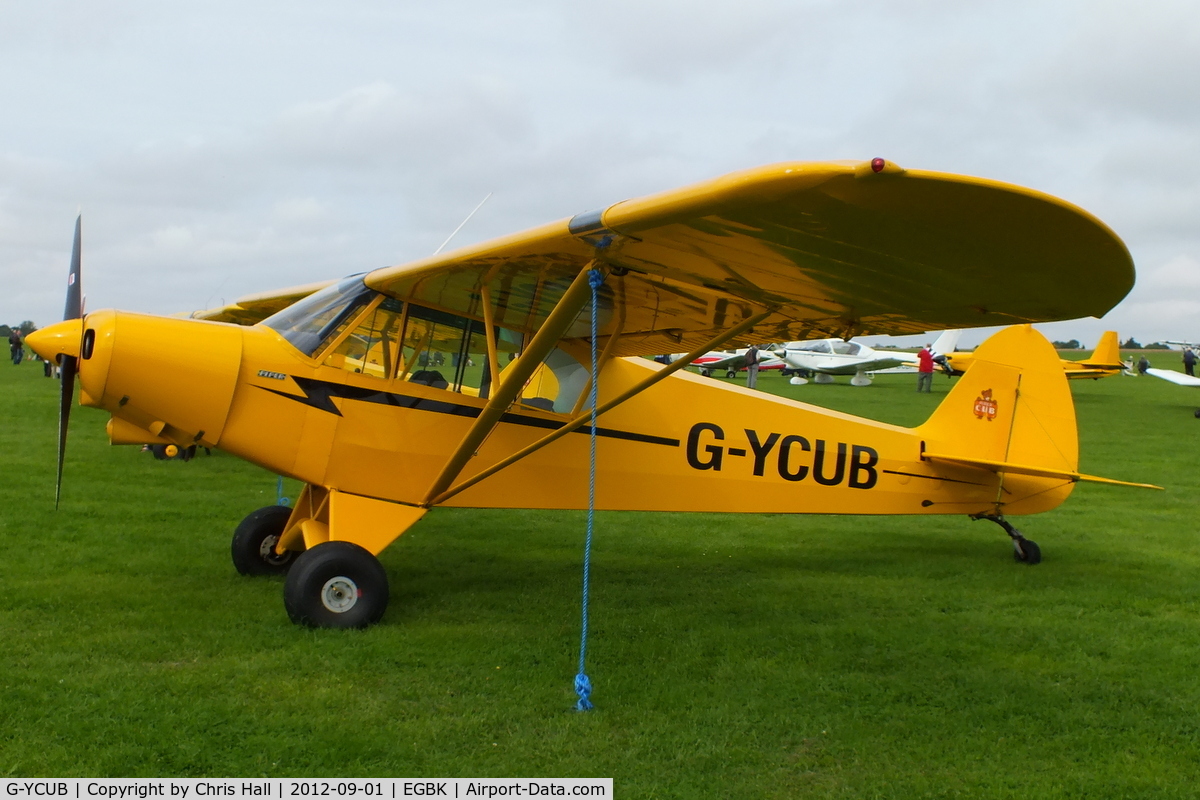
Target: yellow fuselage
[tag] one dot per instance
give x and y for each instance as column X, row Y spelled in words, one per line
column 684, row 444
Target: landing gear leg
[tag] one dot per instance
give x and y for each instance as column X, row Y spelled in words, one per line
column 1024, row 550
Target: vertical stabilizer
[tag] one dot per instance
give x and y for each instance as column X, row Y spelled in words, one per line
column 1108, row 351
column 947, row 342
column 1011, row 407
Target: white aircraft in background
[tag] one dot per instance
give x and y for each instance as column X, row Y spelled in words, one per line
column 824, row 358
column 1175, row 377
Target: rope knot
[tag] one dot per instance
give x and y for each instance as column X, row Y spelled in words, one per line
column 583, row 688
column 595, row 278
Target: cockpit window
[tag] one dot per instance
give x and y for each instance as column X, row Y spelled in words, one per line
column 846, row 348
column 308, row 323
column 819, row 346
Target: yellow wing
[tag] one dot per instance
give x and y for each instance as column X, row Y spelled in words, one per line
column 256, row 307
column 831, row 249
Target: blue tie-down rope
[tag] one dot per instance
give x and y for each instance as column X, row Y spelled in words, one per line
column 279, row 498
column 583, row 684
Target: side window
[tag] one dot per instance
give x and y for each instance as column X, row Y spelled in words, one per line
column 447, row 351
column 371, row 348
column 556, row 384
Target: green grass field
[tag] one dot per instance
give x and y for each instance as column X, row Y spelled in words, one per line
column 732, row 655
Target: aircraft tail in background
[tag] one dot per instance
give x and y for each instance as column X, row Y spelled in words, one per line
column 1107, row 352
column 947, row 342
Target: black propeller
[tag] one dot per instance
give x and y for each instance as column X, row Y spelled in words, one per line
column 68, row 365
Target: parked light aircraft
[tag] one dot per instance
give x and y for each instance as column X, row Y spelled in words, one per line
column 1104, row 362
column 824, row 358
column 461, row 379
column 733, row 361
column 1176, row 377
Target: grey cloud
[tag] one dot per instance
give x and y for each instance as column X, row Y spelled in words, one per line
column 230, row 148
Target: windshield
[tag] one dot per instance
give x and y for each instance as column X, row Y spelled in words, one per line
column 307, row 323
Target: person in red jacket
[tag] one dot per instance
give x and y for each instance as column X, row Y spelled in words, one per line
column 925, row 369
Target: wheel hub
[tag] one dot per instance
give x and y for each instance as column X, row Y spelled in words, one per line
column 267, row 551
column 339, row 594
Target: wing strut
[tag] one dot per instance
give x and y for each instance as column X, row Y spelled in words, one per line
column 489, row 324
column 581, row 420
column 514, row 379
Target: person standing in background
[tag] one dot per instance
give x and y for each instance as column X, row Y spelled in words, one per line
column 15, row 346
column 925, row 369
column 752, row 367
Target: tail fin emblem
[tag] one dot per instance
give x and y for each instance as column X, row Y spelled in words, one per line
column 985, row 406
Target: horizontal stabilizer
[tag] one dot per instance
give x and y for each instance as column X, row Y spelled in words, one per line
column 1040, row 472
column 1174, row 377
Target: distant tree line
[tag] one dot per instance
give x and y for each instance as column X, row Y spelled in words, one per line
column 1128, row 344
column 1132, row 344
column 27, row 327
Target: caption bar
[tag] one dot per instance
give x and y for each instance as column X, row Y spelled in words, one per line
column 294, row 789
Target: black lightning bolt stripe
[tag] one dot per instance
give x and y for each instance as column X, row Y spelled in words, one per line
column 932, row 477
column 319, row 394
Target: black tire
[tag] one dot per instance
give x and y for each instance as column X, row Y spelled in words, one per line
column 336, row 585
column 253, row 546
column 787, row 373
column 1027, row 552
column 159, row 451
column 706, row 373
column 1198, row 413
column 731, row 373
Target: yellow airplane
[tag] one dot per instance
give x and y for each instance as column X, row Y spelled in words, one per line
column 463, row 379
column 1105, row 361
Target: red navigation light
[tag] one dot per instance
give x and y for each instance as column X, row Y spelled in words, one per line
column 877, row 164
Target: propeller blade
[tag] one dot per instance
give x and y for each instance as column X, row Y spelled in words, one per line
column 67, row 366
column 74, row 307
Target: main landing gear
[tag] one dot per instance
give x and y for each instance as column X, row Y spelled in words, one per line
column 1024, row 550
column 326, row 547
column 336, row 585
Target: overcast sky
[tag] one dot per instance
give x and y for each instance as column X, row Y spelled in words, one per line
column 223, row 148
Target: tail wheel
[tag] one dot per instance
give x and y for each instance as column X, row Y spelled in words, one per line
column 336, row 585
column 1026, row 551
column 254, row 540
